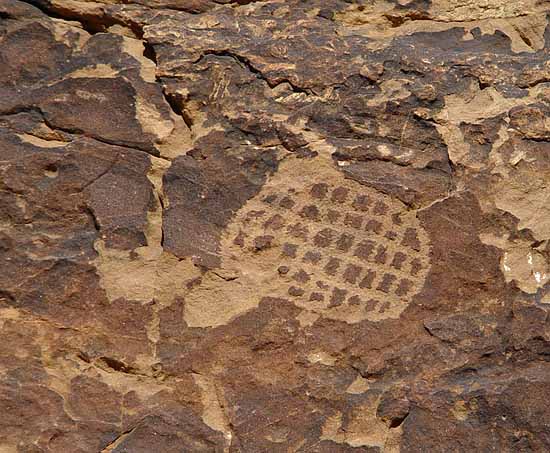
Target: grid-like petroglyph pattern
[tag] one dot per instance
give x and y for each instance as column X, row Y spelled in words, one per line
column 335, row 245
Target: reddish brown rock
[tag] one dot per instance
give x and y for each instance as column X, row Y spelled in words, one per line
column 264, row 226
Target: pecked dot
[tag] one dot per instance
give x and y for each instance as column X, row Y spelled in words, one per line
column 339, row 195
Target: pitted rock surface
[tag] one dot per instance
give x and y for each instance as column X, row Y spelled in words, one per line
column 333, row 246
column 274, row 226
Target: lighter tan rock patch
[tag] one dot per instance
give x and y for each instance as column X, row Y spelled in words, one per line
column 213, row 412
column 149, row 273
column 524, row 22
column 364, row 429
column 521, row 263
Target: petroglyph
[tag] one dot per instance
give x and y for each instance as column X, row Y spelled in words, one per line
column 330, row 245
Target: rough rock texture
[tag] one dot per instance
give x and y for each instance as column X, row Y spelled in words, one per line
column 274, row 226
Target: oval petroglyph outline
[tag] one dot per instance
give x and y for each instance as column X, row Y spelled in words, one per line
column 329, row 244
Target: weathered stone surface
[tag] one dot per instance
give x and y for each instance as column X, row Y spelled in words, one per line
column 266, row 226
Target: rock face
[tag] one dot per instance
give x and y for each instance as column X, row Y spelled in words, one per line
column 274, row 226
